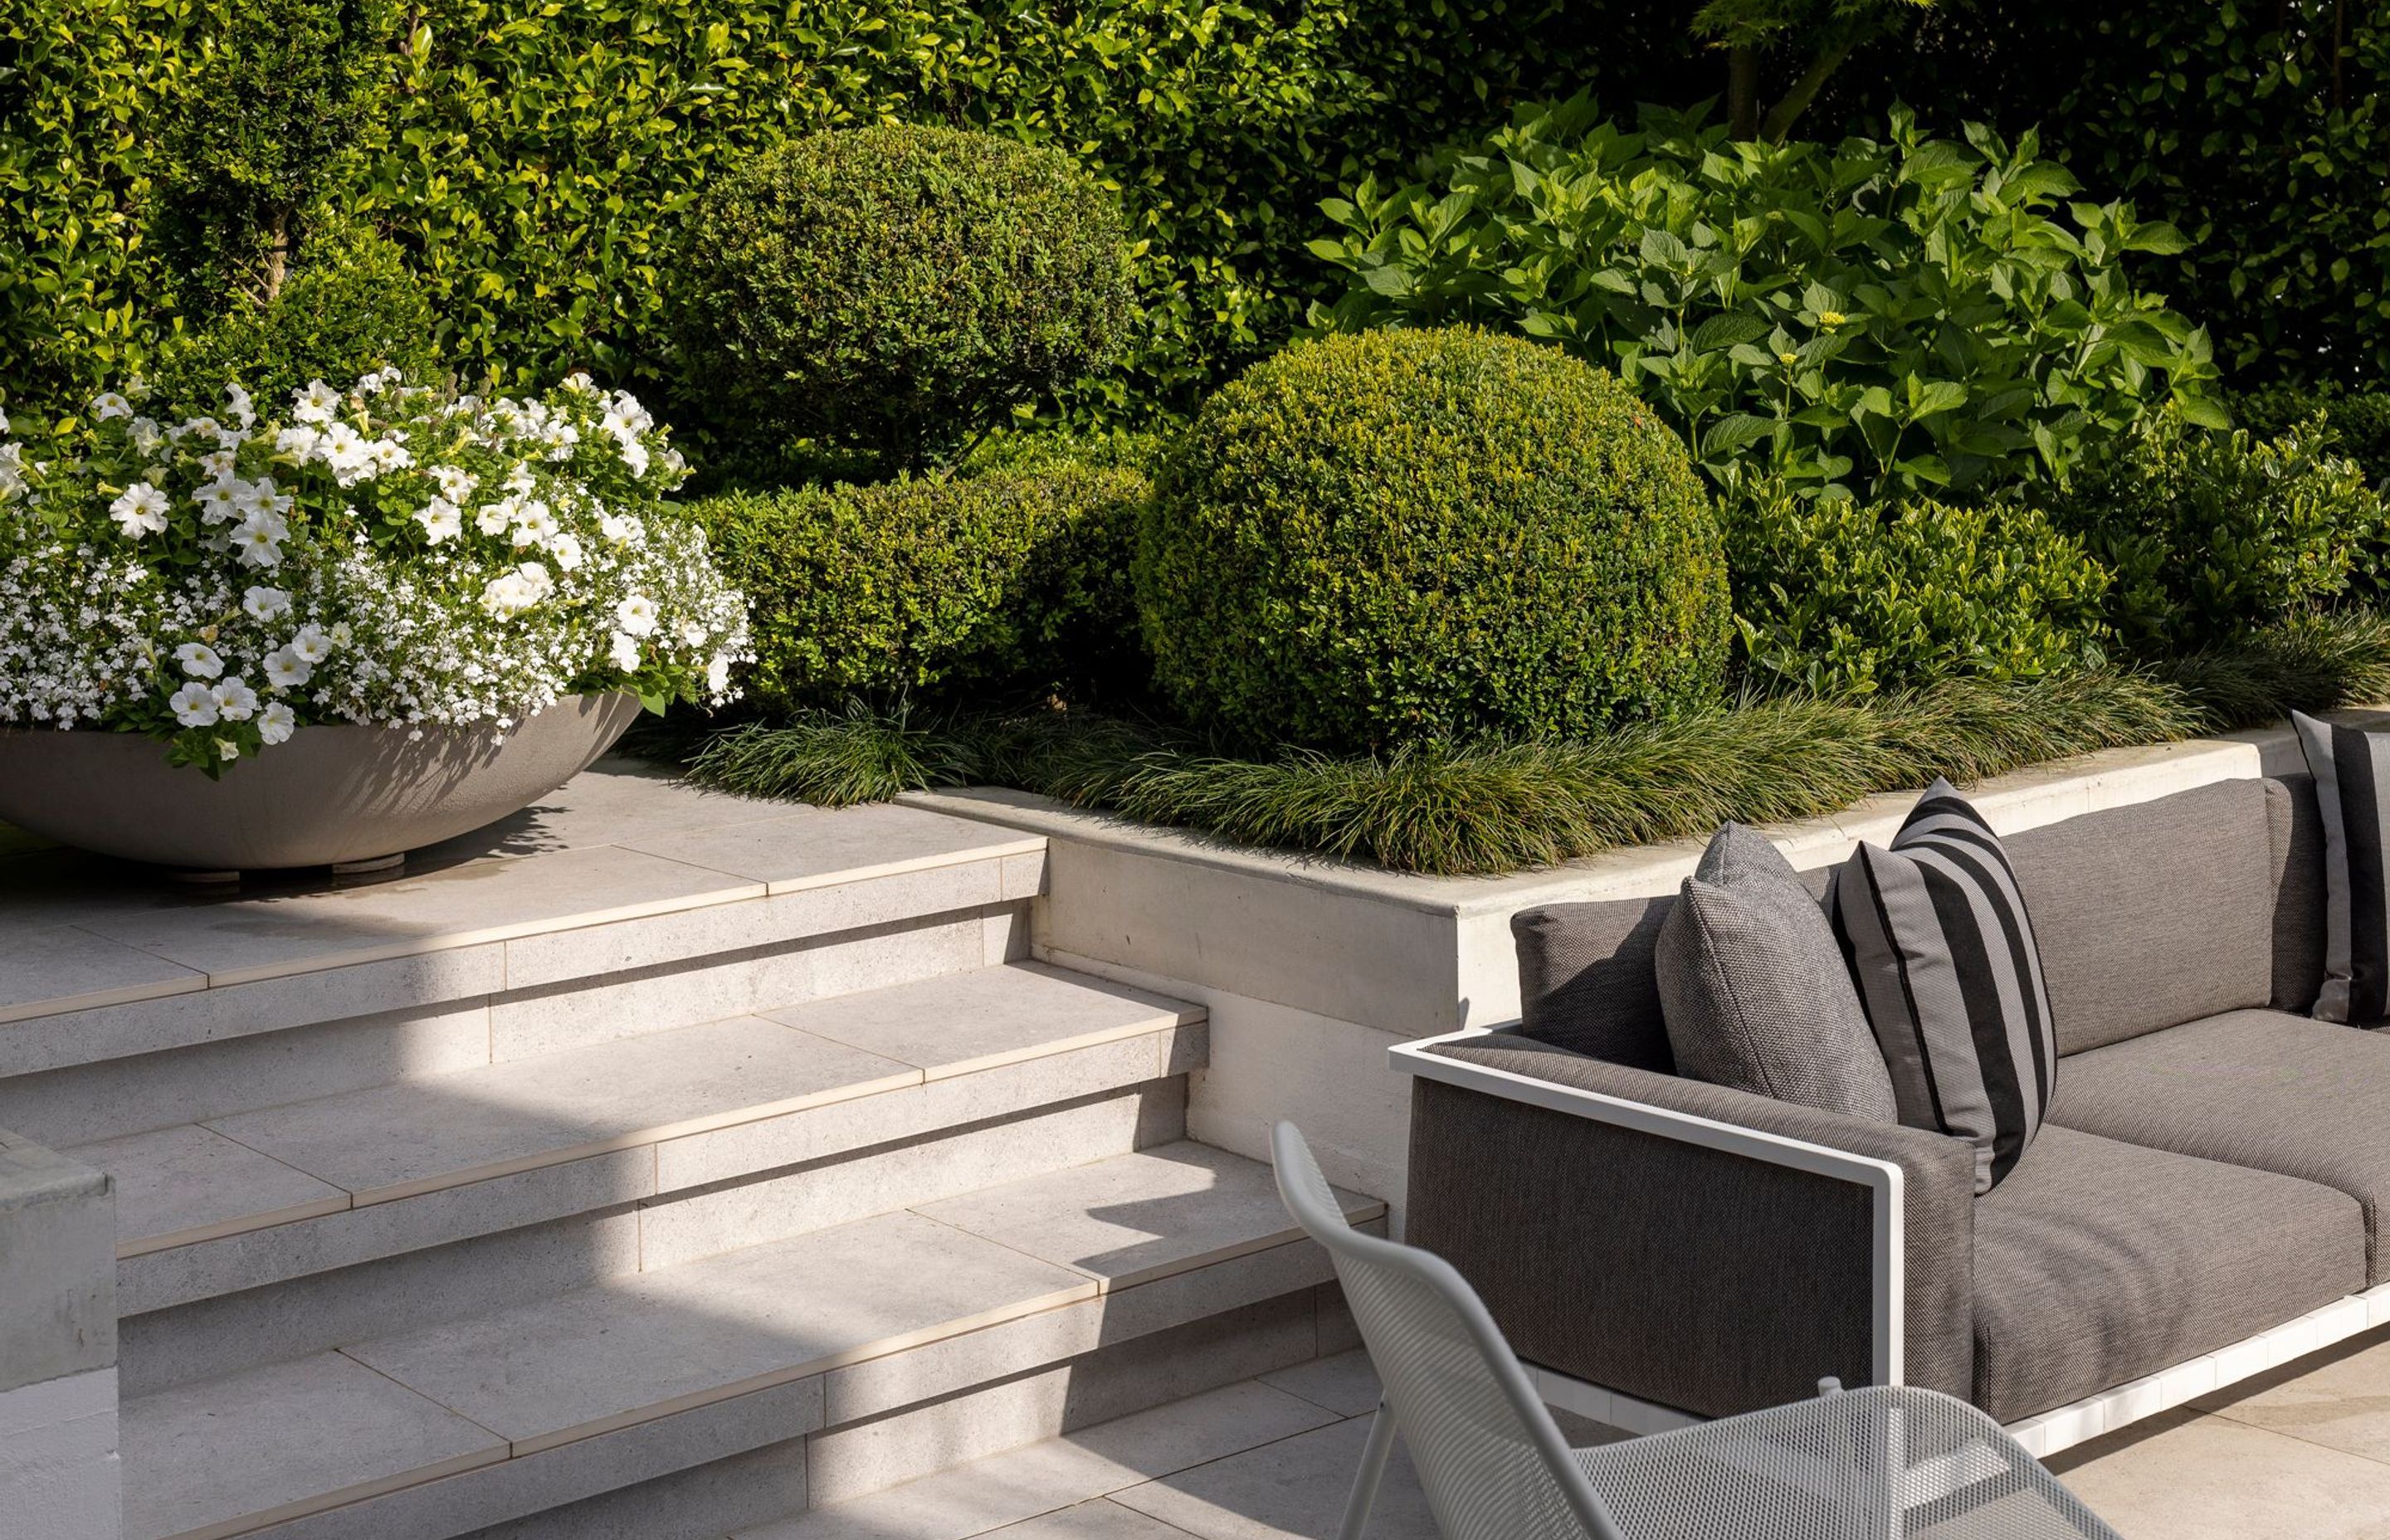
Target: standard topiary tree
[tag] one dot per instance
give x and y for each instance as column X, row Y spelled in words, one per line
column 1390, row 537
column 898, row 290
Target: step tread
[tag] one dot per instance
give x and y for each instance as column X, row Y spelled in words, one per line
column 612, row 844
column 554, row 1370
column 406, row 1138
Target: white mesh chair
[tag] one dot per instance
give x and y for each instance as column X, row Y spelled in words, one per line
column 1883, row 1463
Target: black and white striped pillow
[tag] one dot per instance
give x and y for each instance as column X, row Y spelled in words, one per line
column 1936, row 932
column 2352, row 774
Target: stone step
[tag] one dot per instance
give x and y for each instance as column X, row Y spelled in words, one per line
column 237, row 1202
column 620, row 871
column 440, row 1432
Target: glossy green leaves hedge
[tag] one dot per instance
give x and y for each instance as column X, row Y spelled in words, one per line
column 1393, row 536
column 540, row 156
column 1869, row 318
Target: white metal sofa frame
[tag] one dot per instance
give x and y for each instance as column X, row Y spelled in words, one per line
column 1872, row 1464
column 2043, row 1435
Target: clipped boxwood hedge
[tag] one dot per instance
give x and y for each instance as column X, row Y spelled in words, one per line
column 1841, row 599
column 1008, row 581
column 898, row 290
column 1392, row 537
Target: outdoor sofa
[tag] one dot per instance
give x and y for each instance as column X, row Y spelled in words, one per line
column 2203, row 1202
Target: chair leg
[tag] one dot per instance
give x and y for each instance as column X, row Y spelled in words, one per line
column 1373, row 1470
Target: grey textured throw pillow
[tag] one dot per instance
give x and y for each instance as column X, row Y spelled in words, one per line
column 1753, row 989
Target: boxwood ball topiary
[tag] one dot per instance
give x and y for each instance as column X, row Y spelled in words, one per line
column 899, row 288
column 1389, row 536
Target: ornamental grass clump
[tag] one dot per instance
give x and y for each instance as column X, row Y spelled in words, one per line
column 391, row 555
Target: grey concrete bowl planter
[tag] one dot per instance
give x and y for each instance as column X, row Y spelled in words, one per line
column 331, row 796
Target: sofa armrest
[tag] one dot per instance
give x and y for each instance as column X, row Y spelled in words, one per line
column 1689, row 1244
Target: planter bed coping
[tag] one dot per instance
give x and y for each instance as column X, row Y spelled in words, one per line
column 2020, row 799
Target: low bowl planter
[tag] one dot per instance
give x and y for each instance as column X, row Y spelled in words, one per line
column 330, row 796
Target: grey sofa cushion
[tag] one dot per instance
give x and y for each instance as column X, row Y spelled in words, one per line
column 2259, row 1088
column 2351, row 769
column 2098, row 1262
column 2299, row 906
column 1942, row 949
column 1754, row 990
column 2152, row 914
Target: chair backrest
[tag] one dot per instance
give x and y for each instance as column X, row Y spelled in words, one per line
column 1492, row 1462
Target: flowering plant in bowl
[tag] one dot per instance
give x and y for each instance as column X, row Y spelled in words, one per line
column 391, row 555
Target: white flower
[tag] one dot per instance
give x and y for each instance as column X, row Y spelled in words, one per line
column 579, row 383
column 265, row 604
column 621, row 529
column 238, row 400
column 442, row 520
column 316, row 403
column 717, row 675
column 535, row 522
column 260, row 496
column 198, row 660
column 235, row 701
column 266, row 520
column 139, row 509
column 636, row 615
column 108, row 403
column 635, row 456
column 300, row 442
column 218, row 463
column 455, row 483
column 378, row 381
column 285, row 670
column 226, row 749
column 218, row 502
column 311, row 644
column 566, row 548
column 193, row 706
column 256, row 544
column 276, row 723
column 520, row 482
column 512, row 593
column 494, row 518
column 625, row 652
column 146, row 436
column 390, row 454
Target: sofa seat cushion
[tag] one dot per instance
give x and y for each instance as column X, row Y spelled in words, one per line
column 2259, row 1088
column 2098, row 1262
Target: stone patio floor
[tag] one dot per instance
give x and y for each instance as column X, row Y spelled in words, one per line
column 2299, row 1454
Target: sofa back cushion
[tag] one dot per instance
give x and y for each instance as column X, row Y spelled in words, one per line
column 2153, row 914
column 2300, row 899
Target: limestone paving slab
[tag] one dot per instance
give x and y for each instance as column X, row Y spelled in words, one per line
column 616, row 800
column 631, row 1349
column 225, row 1455
column 1139, row 1217
column 417, row 1136
column 1293, row 1489
column 809, row 847
column 2184, row 1476
column 237, row 939
column 986, row 1019
column 178, row 1187
column 54, row 968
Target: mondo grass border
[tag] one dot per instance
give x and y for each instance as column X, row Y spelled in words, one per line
column 1468, row 809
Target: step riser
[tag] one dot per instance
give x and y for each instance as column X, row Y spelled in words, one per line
column 117, row 1097
column 214, row 1336
column 181, row 1275
column 698, row 1475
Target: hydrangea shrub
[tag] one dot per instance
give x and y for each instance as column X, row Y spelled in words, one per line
column 391, row 555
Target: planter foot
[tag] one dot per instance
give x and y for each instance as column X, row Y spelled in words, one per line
column 198, row 878
column 362, row 868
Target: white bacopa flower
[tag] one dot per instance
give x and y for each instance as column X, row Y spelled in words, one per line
column 139, row 509
column 265, row 604
column 316, row 403
column 442, row 520
column 637, row 614
column 285, row 670
column 235, row 701
column 193, row 706
column 312, row 645
column 625, row 652
column 227, row 750
column 108, row 403
column 198, row 660
column 276, row 723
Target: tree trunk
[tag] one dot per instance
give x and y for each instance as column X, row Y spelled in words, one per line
column 277, row 253
column 1742, row 90
column 1782, row 117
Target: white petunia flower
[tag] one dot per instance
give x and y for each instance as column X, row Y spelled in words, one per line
column 226, row 749
column 219, row 501
column 520, row 482
column 636, row 615
column 108, row 403
column 148, row 437
column 566, row 548
column 455, row 483
column 256, row 545
column 579, row 383
column 316, row 403
column 312, row 645
column 217, row 464
column 302, row 442
column 625, row 652
column 285, row 670
column 235, row 701
column 265, row 604
column 241, row 409
column 442, row 520
column 193, row 706
column 139, row 509
column 717, row 675
column 494, row 518
column 198, row 660
column 276, row 723
column 621, row 529
column 635, row 456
